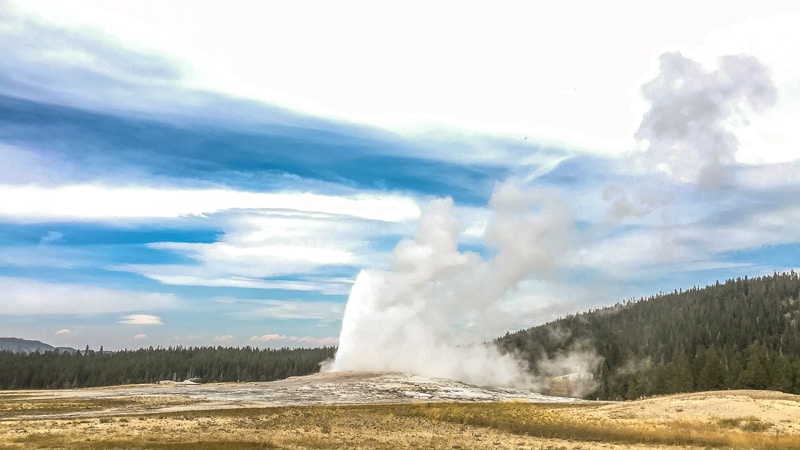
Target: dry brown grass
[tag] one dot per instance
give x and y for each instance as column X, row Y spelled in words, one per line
column 133, row 423
column 569, row 422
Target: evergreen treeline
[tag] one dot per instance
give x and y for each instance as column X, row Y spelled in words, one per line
column 55, row 370
column 741, row 334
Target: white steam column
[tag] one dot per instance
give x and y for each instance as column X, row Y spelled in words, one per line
column 426, row 315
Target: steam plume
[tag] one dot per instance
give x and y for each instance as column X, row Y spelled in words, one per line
column 424, row 316
column 689, row 126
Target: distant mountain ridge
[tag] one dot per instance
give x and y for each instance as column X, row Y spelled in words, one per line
column 18, row 345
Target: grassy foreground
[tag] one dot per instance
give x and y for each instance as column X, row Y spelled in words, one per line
column 134, row 423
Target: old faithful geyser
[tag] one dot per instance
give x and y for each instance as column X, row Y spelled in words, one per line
column 425, row 314
column 428, row 313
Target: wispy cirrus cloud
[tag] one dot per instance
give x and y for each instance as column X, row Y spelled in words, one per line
column 289, row 310
column 257, row 248
column 84, row 65
column 185, row 276
column 109, row 203
column 30, row 297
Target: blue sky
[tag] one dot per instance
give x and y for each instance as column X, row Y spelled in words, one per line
column 217, row 174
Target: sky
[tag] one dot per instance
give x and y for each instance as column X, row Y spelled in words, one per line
column 218, row 173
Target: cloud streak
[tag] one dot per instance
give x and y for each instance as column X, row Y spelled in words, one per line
column 141, row 319
column 260, row 249
column 113, row 203
column 31, row 297
column 290, row 310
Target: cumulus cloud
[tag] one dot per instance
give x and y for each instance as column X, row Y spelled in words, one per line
column 141, row 319
column 140, row 337
column 267, row 338
column 690, row 126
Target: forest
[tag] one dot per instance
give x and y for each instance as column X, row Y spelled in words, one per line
column 56, row 370
column 740, row 334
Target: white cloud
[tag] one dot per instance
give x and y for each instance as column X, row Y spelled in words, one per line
column 267, row 338
column 693, row 113
column 21, row 165
column 284, row 258
column 689, row 246
column 307, row 341
column 51, row 237
column 224, row 339
column 141, row 319
column 174, row 275
column 31, row 203
column 291, row 309
column 140, row 337
column 771, row 137
column 26, row 297
column 517, row 66
column 42, row 256
column 770, row 176
column 257, row 246
column 63, row 331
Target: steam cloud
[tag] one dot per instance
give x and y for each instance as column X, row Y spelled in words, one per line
column 689, row 126
column 424, row 315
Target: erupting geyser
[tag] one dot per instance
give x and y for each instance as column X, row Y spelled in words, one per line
column 425, row 315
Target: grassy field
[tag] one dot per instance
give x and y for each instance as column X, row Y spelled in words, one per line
column 174, row 423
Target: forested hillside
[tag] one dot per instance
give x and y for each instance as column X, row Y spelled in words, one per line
column 739, row 334
column 54, row 369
